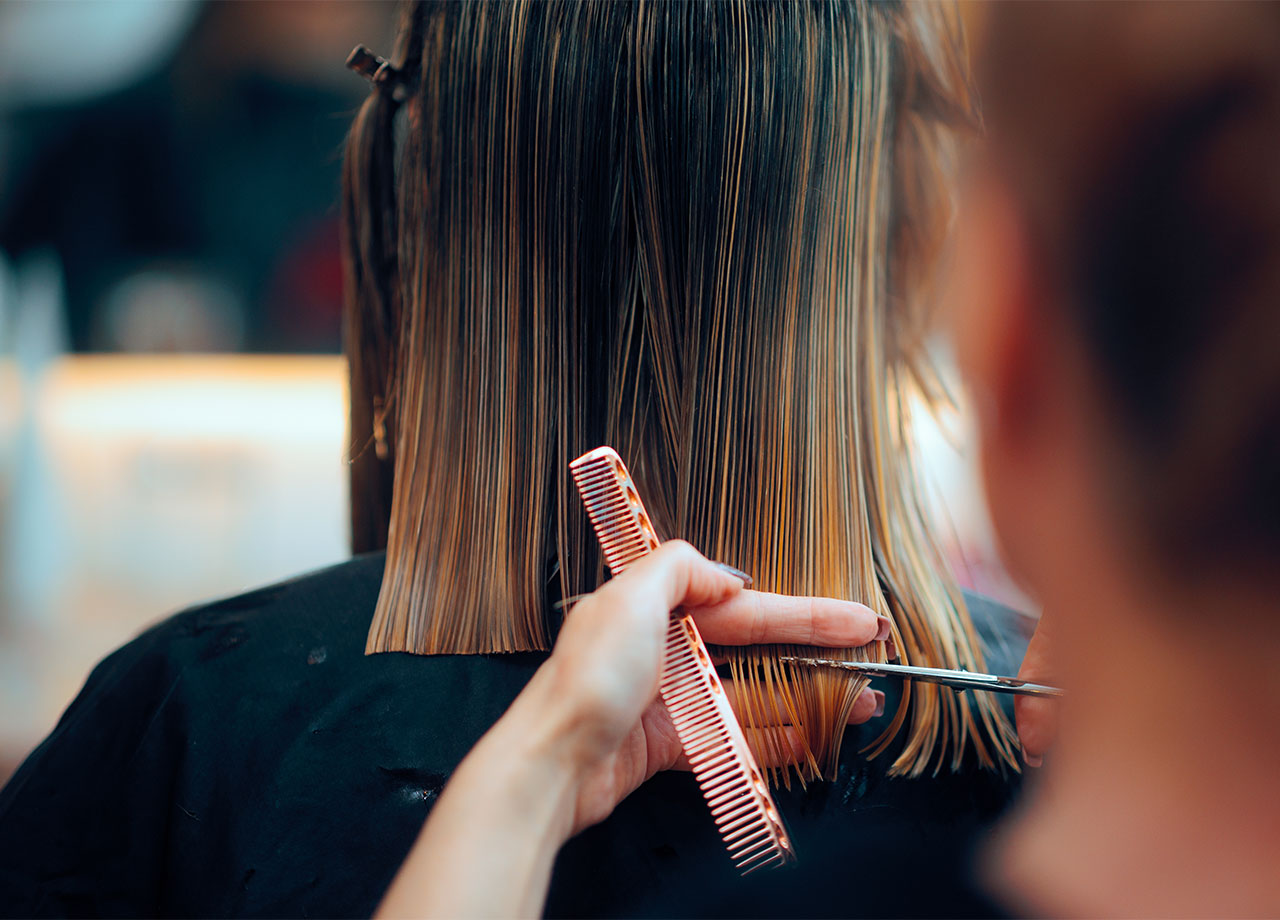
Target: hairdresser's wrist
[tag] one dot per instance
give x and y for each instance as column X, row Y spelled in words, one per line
column 505, row 813
column 576, row 732
column 582, row 706
column 545, row 746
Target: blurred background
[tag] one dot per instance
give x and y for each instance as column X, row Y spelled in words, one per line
column 171, row 393
column 172, row 399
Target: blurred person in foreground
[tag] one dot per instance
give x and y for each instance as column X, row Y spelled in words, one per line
column 1118, row 325
column 1121, row 335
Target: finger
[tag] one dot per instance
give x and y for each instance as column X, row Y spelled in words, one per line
column 869, row 705
column 773, row 711
column 638, row 602
column 1036, row 717
column 890, row 652
column 673, row 575
column 759, row 618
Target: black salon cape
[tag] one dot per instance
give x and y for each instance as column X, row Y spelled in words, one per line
column 247, row 758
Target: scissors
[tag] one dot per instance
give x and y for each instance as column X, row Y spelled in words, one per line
column 961, row 680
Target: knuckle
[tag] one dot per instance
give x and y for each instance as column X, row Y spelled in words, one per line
column 682, row 551
column 817, row 619
column 831, row 622
column 865, row 624
column 758, row 628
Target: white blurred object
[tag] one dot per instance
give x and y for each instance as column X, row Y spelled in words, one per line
column 59, row 52
column 33, row 525
column 167, row 481
column 946, row 449
column 163, row 481
column 37, row 324
column 197, row 476
column 6, row 297
column 172, row 309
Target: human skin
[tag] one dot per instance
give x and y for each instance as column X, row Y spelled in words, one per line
column 1156, row 798
column 589, row 728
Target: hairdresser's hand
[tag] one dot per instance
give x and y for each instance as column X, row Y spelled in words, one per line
column 1037, row 717
column 588, row 729
column 601, row 682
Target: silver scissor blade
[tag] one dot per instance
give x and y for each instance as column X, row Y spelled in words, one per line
column 961, row 680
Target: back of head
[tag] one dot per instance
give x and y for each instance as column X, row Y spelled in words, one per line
column 684, row 230
column 1147, row 173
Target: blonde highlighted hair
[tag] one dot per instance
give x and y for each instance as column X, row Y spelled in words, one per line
column 692, row 232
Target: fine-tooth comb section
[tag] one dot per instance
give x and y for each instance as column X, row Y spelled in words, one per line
column 709, row 733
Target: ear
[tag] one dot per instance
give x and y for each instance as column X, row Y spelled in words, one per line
column 997, row 326
column 1005, row 352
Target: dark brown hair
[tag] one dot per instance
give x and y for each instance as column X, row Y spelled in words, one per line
column 684, row 230
column 1147, row 171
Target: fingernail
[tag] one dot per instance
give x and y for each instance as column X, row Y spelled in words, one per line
column 737, row 573
column 1032, row 760
column 879, row 704
column 885, row 629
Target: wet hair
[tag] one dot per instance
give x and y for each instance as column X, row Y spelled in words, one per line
column 1153, row 196
column 693, row 232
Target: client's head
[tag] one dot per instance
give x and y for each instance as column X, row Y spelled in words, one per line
column 691, row 232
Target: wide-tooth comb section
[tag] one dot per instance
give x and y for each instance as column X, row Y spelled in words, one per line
column 709, row 733
column 614, row 507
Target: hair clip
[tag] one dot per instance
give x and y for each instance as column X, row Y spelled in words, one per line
column 378, row 72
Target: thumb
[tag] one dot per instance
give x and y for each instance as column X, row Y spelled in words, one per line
column 676, row 575
column 1037, row 717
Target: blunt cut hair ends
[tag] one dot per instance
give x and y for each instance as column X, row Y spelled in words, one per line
column 689, row 231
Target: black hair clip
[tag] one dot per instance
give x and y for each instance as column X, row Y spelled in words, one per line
column 378, row 72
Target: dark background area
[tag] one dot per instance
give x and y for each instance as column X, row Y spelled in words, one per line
column 181, row 162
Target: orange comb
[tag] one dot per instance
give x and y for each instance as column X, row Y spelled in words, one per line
column 713, row 742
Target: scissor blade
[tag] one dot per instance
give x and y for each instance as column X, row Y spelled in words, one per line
column 961, row 680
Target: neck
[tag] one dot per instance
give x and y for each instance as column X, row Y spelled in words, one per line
column 1158, row 796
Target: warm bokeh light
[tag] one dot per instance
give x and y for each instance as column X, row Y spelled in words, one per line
column 135, row 486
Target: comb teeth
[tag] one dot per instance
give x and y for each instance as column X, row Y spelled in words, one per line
column 709, row 733
column 614, row 507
